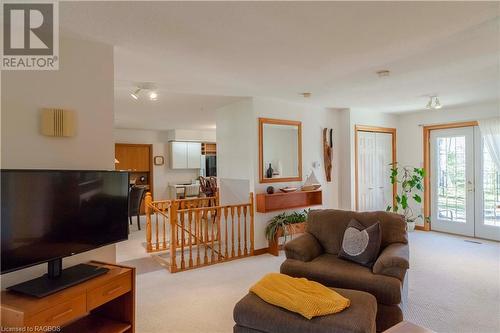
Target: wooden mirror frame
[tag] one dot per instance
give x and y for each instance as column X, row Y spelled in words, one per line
column 263, row 121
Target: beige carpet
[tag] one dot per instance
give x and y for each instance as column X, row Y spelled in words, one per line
column 454, row 286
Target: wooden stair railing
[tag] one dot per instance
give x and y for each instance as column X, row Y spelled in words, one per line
column 198, row 232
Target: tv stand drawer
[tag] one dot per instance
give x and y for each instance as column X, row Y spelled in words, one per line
column 60, row 313
column 109, row 291
column 102, row 304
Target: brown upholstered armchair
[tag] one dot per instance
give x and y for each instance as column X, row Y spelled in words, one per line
column 314, row 256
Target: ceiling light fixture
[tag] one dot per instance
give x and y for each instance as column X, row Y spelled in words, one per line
column 153, row 96
column 306, row 94
column 149, row 88
column 437, row 104
column 135, row 94
column 434, row 103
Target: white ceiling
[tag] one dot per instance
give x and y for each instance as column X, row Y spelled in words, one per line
column 278, row 49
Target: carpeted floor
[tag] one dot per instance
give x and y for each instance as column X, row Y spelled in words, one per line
column 454, row 286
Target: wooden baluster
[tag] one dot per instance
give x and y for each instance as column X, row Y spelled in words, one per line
column 173, row 235
column 219, row 238
column 147, row 204
column 238, row 211
column 183, row 265
column 164, row 232
column 197, row 228
column 190, row 220
column 225, row 239
column 251, row 224
column 245, row 252
column 203, row 218
column 232, row 231
column 177, row 237
column 157, row 231
column 205, row 241
column 213, row 215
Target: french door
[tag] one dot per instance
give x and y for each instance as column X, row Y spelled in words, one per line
column 465, row 194
column 374, row 158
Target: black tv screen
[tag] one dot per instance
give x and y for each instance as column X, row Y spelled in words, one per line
column 48, row 214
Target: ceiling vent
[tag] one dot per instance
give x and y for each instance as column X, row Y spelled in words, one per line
column 58, row 122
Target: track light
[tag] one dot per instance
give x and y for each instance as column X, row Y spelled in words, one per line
column 429, row 105
column 135, row 94
column 434, row 103
column 437, row 104
column 148, row 88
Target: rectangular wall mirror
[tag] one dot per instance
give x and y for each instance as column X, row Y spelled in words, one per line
column 280, row 150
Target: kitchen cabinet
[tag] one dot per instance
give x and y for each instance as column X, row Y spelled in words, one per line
column 185, row 155
column 133, row 157
column 136, row 159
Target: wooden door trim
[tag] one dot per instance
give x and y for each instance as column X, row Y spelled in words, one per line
column 374, row 129
column 426, row 130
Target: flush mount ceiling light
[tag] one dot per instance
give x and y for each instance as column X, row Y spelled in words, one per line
column 306, row 94
column 149, row 88
column 434, row 103
column 153, row 95
column 135, row 94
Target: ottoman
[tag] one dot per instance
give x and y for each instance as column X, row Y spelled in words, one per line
column 253, row 315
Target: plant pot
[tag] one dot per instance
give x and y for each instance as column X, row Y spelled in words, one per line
column 410, row 226
column 292, row 229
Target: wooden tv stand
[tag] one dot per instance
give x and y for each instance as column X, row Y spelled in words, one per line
column 103, row 304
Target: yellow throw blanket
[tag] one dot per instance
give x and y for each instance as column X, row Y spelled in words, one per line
column 308, row 298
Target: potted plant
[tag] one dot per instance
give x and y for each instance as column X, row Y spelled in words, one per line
column 284, row 225
column 410, row 184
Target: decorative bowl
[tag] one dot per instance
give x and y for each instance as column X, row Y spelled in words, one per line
column 311, row 187
column 288, row 189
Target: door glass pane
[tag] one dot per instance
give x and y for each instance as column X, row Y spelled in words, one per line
column 451, row 179
column 491, row 186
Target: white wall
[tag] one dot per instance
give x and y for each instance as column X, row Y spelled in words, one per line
column 235, row 141
column 162, row 174
column 342, row 149
column 84, row 83
column 191, row 135
column 237, row 147
column 410, row 131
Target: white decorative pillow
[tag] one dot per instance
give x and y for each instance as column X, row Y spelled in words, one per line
column 361, row 244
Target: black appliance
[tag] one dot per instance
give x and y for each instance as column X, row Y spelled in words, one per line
column 211, row 166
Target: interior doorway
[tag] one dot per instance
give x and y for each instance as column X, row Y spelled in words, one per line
column 375, row 150
column 464, row 183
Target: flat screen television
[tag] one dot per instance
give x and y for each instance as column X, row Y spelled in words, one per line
column 47, row 215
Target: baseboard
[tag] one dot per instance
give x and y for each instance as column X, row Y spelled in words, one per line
column 258, row 252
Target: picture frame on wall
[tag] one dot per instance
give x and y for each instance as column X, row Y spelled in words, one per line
column 158, row 160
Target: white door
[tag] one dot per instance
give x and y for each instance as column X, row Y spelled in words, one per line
column 452, row 180
column 383, row 160
column 366, row 160
column 465, row 184
column 374, row 158
column 487, row 192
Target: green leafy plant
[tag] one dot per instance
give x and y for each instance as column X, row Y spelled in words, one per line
column 410, row 185
column 282, row 221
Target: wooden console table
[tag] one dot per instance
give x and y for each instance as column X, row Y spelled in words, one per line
column 103, row 304
column 282, row 201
